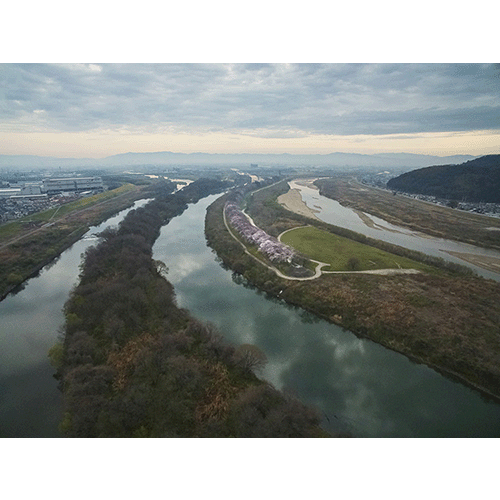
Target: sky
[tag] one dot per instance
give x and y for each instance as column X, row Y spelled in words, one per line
column 96, row 110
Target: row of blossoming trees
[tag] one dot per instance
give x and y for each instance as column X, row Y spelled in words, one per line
column 276, row 251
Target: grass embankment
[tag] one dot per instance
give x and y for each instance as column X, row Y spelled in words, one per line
column 343, row 254
column 15, row 228
column 446, row 319
column 29, row 244
column 435, row 220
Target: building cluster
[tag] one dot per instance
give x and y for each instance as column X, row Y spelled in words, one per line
column 478, row 207
column 21, row 199
column 380, row 180
column 72, row 185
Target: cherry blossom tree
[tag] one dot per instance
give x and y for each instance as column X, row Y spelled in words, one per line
column 268, row 245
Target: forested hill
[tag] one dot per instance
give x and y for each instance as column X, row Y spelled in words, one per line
column 476, row 180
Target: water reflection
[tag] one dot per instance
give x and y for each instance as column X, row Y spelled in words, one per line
column 358, row 386
column 30, row 402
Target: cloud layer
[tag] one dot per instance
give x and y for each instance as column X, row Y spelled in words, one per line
column 263, row 100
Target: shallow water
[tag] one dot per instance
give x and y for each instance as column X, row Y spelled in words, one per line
column 332, row 212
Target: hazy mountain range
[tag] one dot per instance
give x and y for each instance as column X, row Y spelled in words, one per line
column 167, row 158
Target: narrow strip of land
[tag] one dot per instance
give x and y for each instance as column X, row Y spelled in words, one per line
column 485, row 261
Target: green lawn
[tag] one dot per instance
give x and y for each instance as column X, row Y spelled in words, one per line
column 9, row 229
column 337, row 251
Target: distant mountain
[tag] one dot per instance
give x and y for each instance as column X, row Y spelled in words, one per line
column 284, row 159
column 476, row 180
column 340, row 160
column 30, row 161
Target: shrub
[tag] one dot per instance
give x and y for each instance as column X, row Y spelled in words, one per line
column 353, row 264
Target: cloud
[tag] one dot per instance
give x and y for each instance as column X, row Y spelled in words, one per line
column 264, row 100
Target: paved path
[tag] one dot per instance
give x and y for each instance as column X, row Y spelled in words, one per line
column 319, row 265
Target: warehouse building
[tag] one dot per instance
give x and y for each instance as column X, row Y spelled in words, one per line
column 72, row 184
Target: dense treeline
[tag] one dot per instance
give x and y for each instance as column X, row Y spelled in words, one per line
column 475, row 181
column 132, row 364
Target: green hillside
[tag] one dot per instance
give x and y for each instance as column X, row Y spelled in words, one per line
column 475, row 181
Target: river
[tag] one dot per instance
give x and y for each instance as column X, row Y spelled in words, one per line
column 332, row 212
column 359, row 387
column 30, row 403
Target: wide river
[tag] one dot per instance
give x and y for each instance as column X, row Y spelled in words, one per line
column 358, row 386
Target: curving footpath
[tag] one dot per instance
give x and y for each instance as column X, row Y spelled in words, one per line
column 319, row 265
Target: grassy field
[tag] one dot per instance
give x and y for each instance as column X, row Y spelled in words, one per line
column 339, row 252
column 10, row 229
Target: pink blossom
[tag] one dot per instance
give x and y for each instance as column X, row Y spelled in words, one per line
column 268, row 245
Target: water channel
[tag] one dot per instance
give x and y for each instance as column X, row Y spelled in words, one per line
column 359, row 387
column 30, row 403
column 332, row 212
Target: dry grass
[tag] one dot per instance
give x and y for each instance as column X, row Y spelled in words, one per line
column 123, row 361
column 218, row 394
column 447, row 321
column 441, row 222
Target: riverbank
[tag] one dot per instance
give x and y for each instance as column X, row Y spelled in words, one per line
column 426, row 218
column 25, row 252
column 292, row 201
column 443, row 319
column 133, row 364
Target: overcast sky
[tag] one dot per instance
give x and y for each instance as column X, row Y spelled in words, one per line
column 96, row 110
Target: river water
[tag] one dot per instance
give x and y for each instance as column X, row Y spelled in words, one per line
column 359, row 387
column 30, row 403
column 332, row 212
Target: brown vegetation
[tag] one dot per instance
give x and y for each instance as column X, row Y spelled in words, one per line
column 135, row 365
column 447, row 320
column 435, row 220
column 22, row 255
